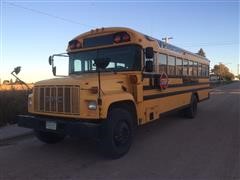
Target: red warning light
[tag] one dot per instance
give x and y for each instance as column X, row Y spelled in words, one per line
column 74, row 44
column 121, row 37
column 117, row 38
column 125, row 37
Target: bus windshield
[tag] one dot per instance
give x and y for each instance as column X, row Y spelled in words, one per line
column 122, row 58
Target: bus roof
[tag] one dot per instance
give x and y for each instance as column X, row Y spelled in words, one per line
column 171, row 47
column 147, row 40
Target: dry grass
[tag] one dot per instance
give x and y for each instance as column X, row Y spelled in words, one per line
column 12, row 103
column 17, row 87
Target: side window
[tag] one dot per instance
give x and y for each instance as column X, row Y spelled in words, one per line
column 207, row 70
column 162, row 63
column 199, row 69
column 190, row 68
column 195, row 70
column 203, row 70
column 185, row 67
column 179, row 67
column 171, row 65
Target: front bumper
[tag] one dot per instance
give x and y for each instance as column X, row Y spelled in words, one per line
column 67, row 127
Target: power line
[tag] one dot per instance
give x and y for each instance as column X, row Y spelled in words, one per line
column 124, row 1
column 50, row 15
column 75, row 22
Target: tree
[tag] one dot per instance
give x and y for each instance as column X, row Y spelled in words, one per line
column 201, row 53
column 238, row 76
column 223, row 72
column 229, row 76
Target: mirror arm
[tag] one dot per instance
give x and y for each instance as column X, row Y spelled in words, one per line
column 21, row 81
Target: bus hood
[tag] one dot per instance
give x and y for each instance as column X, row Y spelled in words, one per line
column 69, row 80
column 84, row 80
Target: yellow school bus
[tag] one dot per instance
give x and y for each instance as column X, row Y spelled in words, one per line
column 118, row 79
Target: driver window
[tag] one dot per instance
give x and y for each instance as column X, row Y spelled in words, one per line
column 154, row 62
column 77, row 65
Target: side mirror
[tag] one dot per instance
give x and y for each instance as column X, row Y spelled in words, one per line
column 54, row 69
column 50, row 60
column 17, row 69
column 102, row 63
column 149, row 53
column 149, row 66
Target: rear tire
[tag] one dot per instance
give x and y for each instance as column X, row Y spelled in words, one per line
column 191, row 111
column 49, row 137
column 117, row 133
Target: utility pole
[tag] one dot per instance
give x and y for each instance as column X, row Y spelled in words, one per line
column 238, row 69
column 166, row 39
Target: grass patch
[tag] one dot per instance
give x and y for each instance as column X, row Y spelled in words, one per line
column 12, row 103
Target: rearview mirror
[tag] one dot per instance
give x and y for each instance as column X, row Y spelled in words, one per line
column 149, row 53
column 101, row 63
column 17, row 69
column 50, row 60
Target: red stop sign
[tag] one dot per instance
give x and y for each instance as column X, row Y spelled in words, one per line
column 163, row 81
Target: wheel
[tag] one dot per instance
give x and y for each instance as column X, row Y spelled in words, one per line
column 191, row 111
column 49, row 137
column 117, row 133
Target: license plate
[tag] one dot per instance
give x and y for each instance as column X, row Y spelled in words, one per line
column 51, row 125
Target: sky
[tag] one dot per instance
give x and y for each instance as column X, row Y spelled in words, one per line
column 33, row 30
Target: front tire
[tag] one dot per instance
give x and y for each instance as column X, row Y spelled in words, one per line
column 191, row 111
column 117, row 133
column 49, row 137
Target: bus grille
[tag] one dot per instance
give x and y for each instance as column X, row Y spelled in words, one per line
column 56, row 99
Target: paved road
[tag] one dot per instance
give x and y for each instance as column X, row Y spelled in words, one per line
column 171, row 148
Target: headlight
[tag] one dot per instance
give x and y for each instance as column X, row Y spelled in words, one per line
column 30, row 99
column 92, row 105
